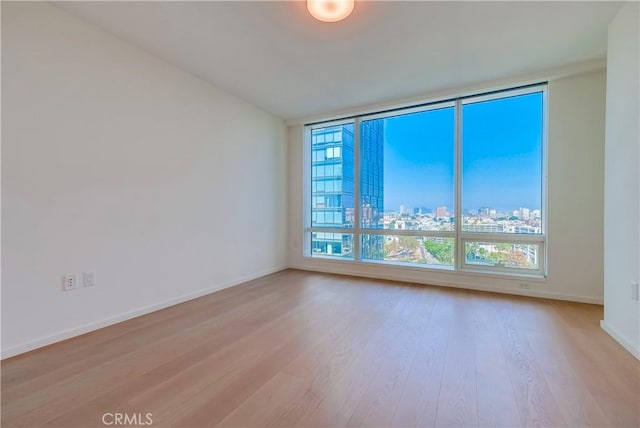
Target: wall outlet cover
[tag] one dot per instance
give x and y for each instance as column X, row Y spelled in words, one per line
column 89, row 279
column 69, row 282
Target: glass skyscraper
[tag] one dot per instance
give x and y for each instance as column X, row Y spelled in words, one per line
column 332, row 185
column 372, row 186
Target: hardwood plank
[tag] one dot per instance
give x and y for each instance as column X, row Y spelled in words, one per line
column 19, row 368
column 351, row 383
column 532, row 394
column 189, row 345
column 171, row 383
column 458, row 401
column 381, row 400
column 121, row 345
column 219, row 399
column 418, row 404
column 496, row 401
column 579, row 408
column 307, row 349
column 320, row 366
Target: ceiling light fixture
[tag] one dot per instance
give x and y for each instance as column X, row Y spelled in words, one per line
column 330, row 10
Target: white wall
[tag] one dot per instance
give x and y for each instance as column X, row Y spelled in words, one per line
column 575, row 200
column 622, row 191
column 119, row 163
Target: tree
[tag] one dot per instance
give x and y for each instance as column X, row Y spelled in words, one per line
column 408, row 243
column 442, row 251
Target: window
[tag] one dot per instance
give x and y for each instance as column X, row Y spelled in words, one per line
column 406, row 166
column 502, row 184
column 456, row 185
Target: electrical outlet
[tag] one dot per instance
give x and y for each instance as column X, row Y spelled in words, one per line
column 69, row 282
column 634, row 291
column 89, row 279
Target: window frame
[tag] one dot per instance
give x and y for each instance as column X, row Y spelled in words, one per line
column 511, row 238
column 460, row 237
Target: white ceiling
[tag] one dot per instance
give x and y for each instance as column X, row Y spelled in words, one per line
column 274, row 55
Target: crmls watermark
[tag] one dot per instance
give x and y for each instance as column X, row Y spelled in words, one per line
column 117, row 418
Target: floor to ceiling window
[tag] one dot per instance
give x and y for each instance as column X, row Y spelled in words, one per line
column 450, row 185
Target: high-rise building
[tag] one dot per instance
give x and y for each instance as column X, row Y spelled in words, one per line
column 332, row 188
column 332, row 184
column 441, row 212
column 372, row 186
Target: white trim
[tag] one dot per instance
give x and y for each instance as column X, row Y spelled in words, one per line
column 409, row 110
column 539, row 271
column 410, row 232
column 535, row 239
column 432, row 267
column 356, row 242
column 335, row 268
column 457, row 185
column 315, row 263
column 306, row 190
column 446, row 94
column 503, row 237
column 330, row 123
column 96, row 325
column 498, row 95
column 344, row 230
column 545, row 178
column 387, row 232
column 618, row 337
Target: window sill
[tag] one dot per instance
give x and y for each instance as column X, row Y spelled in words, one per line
column 447, row 270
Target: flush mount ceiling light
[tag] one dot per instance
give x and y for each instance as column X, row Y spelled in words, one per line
column 330, row 10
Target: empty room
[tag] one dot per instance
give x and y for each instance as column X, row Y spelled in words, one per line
column 320, row 213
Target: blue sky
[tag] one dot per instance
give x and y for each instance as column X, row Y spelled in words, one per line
column 501, row 156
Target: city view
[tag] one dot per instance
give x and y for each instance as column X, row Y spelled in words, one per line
column 406, row 185
column 440, row 250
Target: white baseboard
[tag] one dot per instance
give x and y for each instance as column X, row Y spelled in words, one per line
column 618, row 337
column 77, row 331
column 340, row 270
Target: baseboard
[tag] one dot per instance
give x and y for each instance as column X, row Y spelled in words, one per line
column 618, row 337
column 87, row 328
column 439, row 283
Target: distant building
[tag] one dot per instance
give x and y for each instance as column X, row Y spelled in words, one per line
column 442, row 212
column 332, row 185
column 405, row 209
column 483, row 227
column 526, row 229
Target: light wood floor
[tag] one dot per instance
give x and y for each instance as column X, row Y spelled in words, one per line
column 304, row 349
